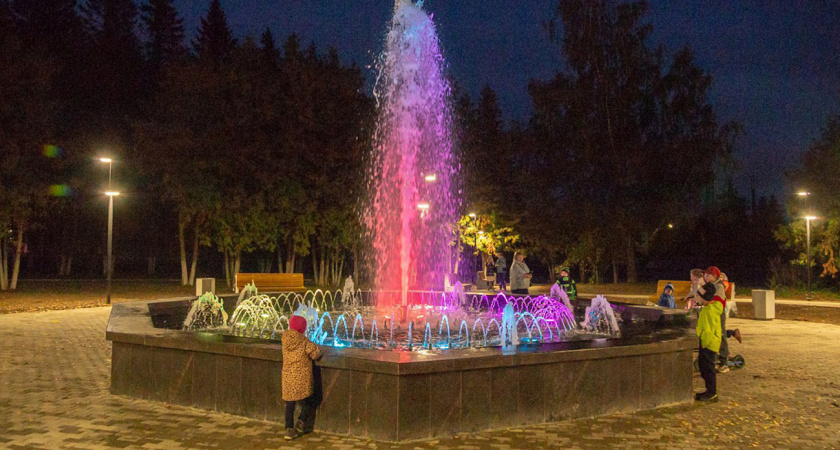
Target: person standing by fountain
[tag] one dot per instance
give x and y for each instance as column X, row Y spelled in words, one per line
column 501, row 271
column 712, row 298
column 567, row 283
column 297, row 379
column 520, row 274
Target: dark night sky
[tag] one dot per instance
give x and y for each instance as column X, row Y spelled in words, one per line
column 775, row 63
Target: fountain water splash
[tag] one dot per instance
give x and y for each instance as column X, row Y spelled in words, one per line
column 559, row 294
column 482, row 320
column 510, row 338
column 600, row 317
column 411, row 200
column 207, row 312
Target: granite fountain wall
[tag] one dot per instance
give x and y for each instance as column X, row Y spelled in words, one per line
column 399, row 396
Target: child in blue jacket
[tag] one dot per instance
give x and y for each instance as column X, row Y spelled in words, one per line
column 666, row 299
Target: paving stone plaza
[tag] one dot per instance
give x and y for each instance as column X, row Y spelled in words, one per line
column 55, row 368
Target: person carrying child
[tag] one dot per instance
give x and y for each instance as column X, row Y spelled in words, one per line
column 297, row 379
column 712, row 298
column 697, row 280
column 567, row 283
column 666, row 299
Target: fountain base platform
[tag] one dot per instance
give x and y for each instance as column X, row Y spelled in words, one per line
column 400, row 396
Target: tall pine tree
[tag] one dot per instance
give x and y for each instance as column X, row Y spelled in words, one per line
column 164, row 32
column 271, row 54
column 214, row 43
column 114, row 78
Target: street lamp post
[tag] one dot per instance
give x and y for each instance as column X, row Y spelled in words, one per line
column 808, row 219
column 110, row 263
column 805, row 194
column 474, row 218
column 111, row 195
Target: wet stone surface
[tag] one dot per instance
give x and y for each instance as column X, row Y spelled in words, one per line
column 55, row 366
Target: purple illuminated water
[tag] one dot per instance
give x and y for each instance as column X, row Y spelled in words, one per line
column 412, row 204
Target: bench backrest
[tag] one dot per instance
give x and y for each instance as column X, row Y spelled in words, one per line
column 681, row 288
column 271, row 282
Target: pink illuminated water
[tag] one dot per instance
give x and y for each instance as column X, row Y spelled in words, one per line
column 412, row 205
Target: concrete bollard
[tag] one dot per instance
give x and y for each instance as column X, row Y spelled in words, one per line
column 204, row 285
column 764, row 304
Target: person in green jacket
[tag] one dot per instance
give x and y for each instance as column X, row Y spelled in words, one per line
column 567, row 283
column 713, row 299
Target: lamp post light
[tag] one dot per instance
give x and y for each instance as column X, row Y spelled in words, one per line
column 808, row 219
column 805, row 194
column 109, row 161
column 111, row 194
column 474, row 218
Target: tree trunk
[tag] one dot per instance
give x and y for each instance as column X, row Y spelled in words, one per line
column 615, row 271
column 290, row 258
column 631, row 261
column 185, row 280
column 227, row 268
column 18, row 251
column 4, row 265
column 238, row 263
column 279, row 260
column 356, row 262
column 194, row 264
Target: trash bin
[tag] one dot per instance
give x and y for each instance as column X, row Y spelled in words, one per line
column 204, row 285
column 764, row 304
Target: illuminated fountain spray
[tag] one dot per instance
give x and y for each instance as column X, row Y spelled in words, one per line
column 412, row 204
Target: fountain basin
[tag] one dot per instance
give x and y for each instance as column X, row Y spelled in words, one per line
column 398, row 396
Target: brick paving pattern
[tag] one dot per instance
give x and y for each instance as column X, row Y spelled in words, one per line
column 54, row 377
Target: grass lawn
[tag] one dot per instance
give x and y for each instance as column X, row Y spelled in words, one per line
column 50, row 295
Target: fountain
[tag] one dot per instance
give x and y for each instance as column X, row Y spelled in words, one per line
column 408, row 359
column 411, row 177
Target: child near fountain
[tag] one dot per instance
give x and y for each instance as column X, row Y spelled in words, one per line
column 297, row 380
column 712, row 298
column 666, row 299
column 567, row 283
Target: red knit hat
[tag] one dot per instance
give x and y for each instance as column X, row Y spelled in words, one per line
column 713, row 270
column 297, row 323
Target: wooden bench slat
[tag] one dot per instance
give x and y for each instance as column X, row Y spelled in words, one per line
column 269, row 282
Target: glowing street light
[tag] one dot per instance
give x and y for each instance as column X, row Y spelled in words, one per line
column 472, row 216
column 803, row 193
column 112, row 193
column 423, row 206
column 670, row 225
column 430, row 178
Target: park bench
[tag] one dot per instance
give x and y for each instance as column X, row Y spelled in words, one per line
column 271, row 282
column 683, row 287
